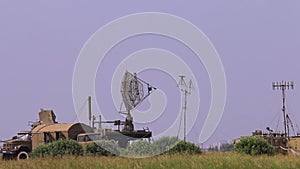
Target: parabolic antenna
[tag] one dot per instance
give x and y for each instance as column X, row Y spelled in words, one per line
column 132, row 90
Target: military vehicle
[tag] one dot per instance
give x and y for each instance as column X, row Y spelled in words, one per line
column 283, row 142
column 43, row 131
column 47, row 129
column 122, row 138
column 17, row 147
column 276, row 139
column 132, row 91
column 294, row 145
column 20, row 146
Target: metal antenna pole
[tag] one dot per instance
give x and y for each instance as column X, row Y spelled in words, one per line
column 184, row 115
column 100, row 122
column 186, row 91
column 283, row 110
column 283, row 86
column 90, row 109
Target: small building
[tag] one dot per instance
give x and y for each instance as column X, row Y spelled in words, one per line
column 45, row 133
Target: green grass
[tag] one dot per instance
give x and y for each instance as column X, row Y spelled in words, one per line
column 180, row 161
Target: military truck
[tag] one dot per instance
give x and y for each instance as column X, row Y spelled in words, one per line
column 47, row 130
column 277, row 140
column 43, row 131
column 17, row 147
column 281, row 143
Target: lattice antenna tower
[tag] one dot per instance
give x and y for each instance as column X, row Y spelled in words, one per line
column 186, row 90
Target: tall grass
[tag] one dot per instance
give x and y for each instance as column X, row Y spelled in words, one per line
column 205, row 161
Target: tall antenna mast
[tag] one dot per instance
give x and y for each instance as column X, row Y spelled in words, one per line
column 186, row 90
column 90, row 109
column 283, row 86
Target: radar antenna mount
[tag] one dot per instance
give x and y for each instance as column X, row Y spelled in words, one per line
column 133, row 94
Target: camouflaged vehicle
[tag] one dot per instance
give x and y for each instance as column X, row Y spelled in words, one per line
column 44, row 131
column 17, row 147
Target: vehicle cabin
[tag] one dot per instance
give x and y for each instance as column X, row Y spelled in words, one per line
column 294, row 143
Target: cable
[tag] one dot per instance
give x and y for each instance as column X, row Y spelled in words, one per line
column 80, row 110
column 296, row 123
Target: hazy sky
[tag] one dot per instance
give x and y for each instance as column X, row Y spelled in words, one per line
column 257, row 41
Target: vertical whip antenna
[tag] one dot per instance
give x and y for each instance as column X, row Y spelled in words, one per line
column 90, row 109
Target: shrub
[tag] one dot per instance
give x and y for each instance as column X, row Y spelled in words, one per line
column 226, row 147
column 254, row 146
column 103, row 147
column 141, row 148
column 58, row 148
column 40, row 151
column 163, row 144
column 185, row 147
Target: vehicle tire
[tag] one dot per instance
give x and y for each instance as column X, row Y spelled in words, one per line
column 23, row 155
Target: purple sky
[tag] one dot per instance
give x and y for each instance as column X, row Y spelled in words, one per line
column 258, row 42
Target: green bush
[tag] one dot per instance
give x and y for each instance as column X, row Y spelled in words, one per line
column 226, row 147
column 165, row 143
column 58, row 148
column 40, row 151
column 141, row 148
column 103, row 147
column 254, row 146
column 185, row 147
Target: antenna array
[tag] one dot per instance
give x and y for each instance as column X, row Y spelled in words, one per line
column 283, row 85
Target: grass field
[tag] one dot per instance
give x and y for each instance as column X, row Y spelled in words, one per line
column 205, row 160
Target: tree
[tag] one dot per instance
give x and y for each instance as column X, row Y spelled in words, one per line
column 141, row 148
column 226, row 147
column 254, row 146
column 102, row 147
column 58, row 148
column 213, row 148
column 185, row 147
column 165, row 143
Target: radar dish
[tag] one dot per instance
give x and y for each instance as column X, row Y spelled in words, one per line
column 132, row 91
